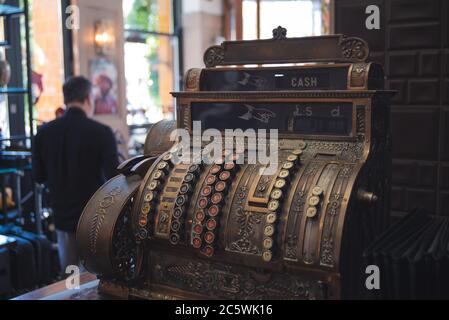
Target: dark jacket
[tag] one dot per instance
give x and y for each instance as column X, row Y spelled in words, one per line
column 73, row 156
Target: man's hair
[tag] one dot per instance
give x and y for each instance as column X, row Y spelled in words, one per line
column 76, row 89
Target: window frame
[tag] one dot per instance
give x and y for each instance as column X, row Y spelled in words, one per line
column 233, row 18
column 131, row 36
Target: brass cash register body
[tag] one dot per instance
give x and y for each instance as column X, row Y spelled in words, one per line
column 226, row 231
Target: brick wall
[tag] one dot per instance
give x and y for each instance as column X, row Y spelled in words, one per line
column 413, row 46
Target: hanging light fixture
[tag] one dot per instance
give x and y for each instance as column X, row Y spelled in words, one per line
column 104, row 37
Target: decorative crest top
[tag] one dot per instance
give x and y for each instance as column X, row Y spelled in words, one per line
column 279, row 33
column 280, row 49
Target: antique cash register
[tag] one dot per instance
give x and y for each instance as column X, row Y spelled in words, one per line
column 228, row 230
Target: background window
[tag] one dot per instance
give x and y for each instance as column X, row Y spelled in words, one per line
column 259, row 17
column 151, row 60
column 47, row 59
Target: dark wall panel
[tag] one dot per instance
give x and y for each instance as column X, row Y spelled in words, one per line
column 403, row 64
column 445, row 178
column 445, row 68
column 445, row 92
column 414, row 37
column 413, row 45
column 445, row 151
column 413, row 10
column 415, row 133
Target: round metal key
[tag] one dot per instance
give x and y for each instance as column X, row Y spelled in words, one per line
column 280, row 183
column 314, row 201
column 194, row 168
column 185, row 189
column 302, row 144
column 271, row 218
column 297, row 152
column 276, row 194
column 209, row 237
column 162, row 165
column 269, row 230
column 143, row 233
column 216, row 198
column 288, row 165
column 143, row 221
column 213, row 211
column 154, row 185
column 181, row 200
column 292, row 158
column 220, row 186
column 200, row 216
column 229, row 166
column 149, row 196
column 211, row 180
column 198, row 229
column 196, row 242
column 146, row 208
column 267, row 256
column 158, row 175
column 189, row 177
column 268, row 243
column 206, row 191
column 202, row 203
column 284, row 174
column 225, row 175
column 174, row 238
column 167, row 157
column 311, row 212
column 208, row 251
column 273, row 205
column 211, row 224
column 175, row 226
column 178, row 212
column 317, row 191
column 215, row 169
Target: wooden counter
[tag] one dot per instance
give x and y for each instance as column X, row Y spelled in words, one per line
column 58, row 291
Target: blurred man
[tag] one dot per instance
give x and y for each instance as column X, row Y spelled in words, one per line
column 73, row 155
